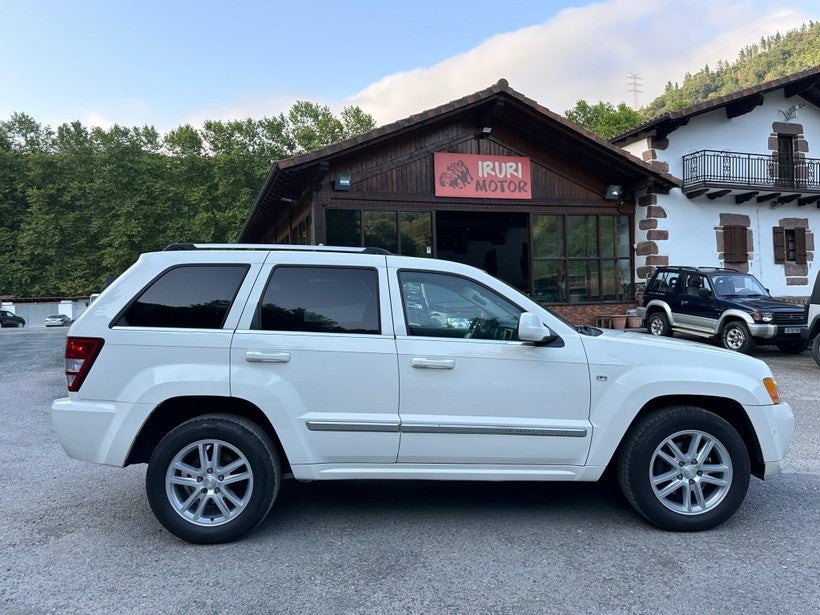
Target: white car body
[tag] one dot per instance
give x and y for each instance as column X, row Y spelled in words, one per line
column 397, row 406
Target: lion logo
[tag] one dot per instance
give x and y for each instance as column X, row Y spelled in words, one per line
column 456, row 175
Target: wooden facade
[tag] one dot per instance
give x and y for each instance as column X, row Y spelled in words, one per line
column 392, row 177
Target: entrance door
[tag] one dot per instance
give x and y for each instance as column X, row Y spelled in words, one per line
column 494, row 242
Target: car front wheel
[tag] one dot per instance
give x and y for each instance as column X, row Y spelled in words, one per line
column 658, row 324
column 735, row 336
column 815, row 349
column 684, row 469
column 213, row 479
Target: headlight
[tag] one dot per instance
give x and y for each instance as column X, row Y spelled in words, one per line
column 763, row 316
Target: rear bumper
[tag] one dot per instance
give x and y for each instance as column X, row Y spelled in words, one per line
column 100, row 432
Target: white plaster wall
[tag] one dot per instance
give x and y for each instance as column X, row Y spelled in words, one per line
column 691, row 222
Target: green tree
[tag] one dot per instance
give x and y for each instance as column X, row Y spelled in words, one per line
column 603, row 119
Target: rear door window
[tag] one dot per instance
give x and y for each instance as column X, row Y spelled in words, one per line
column 321, row 300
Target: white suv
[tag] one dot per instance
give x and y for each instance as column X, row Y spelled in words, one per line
column 228, row 368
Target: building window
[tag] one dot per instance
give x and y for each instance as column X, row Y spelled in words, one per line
column 580, row 259
column 409, row 233
column 789, row 245
column 734, row 244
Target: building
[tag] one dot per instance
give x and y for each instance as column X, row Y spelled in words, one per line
column 750, row 192
column 493, row 180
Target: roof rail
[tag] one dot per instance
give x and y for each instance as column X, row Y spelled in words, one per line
column 697, row 268
column 271, row 247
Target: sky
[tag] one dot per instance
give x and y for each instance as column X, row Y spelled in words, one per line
column 166, row 63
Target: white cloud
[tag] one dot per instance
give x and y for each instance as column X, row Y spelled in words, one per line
column 587, row 53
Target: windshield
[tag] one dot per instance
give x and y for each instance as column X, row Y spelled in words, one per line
column 738, row 285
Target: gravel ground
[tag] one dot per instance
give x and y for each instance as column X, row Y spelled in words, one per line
column 80, row 538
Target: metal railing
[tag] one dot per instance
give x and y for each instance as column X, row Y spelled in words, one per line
column 764, row 171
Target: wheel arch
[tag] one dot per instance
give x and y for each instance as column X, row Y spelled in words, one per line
column 727, row 409
column 173, row 412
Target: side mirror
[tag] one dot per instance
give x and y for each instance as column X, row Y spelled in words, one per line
column 531, row 329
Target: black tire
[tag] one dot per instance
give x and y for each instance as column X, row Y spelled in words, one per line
column 201, row 505
column 658, row 324
column 684, row 499
column 792, row 347
column 735, row 336
column 20, row 325
column 815, row 349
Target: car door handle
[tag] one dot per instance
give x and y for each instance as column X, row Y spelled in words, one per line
column 422, row 363
column 267, row 357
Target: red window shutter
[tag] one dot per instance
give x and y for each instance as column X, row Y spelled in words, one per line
column 800, row 246
column 779, row 237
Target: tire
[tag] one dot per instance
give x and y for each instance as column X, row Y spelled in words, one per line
column 20, row 325
column 793, row 347
column 700, row 494
column 658, row 324
column 735, row 336
column 815, row 349
column 192, row 499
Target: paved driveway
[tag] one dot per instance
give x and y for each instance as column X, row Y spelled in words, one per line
column 80, row 538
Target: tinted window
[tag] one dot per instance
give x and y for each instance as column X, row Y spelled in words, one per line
column 192, row 297
column 441, row 305
column 664, row 282
column 321, row 299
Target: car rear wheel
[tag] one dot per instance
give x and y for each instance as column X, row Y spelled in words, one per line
column 213, row 479
column 735, row 336
column 658, row 324
column 684, row 469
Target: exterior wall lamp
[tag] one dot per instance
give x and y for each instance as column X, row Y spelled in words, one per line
column 613, row 192
column 342, row 182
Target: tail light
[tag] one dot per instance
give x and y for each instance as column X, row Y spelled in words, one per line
column 80, row 353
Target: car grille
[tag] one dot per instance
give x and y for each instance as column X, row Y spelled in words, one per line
column 799, row 318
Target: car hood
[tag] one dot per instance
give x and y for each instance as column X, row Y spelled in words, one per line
column 636, row 348
column 768, row 304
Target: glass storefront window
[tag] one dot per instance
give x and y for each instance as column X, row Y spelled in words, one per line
column 380, row 230
column 416, row 233
column 590, row 262
column 409, row 232
column 344, row 227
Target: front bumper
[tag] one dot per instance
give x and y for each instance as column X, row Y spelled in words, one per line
column 779, row 332
column 774, row 426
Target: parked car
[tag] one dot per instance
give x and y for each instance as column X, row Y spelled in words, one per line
column 321, row 363
column 723, row 304
column 57, row 320
column 813, row 318
column 8, row 319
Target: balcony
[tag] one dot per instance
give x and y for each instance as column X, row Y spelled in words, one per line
column 763, row 177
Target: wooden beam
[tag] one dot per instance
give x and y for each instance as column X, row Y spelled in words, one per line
column 743, row 106
column 788, row 198
column 697, row 192
column 768, row 197
column 808, row 200
column 717, row 194
column 746, row 196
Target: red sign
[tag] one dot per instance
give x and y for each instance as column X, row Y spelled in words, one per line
column 483, row 177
